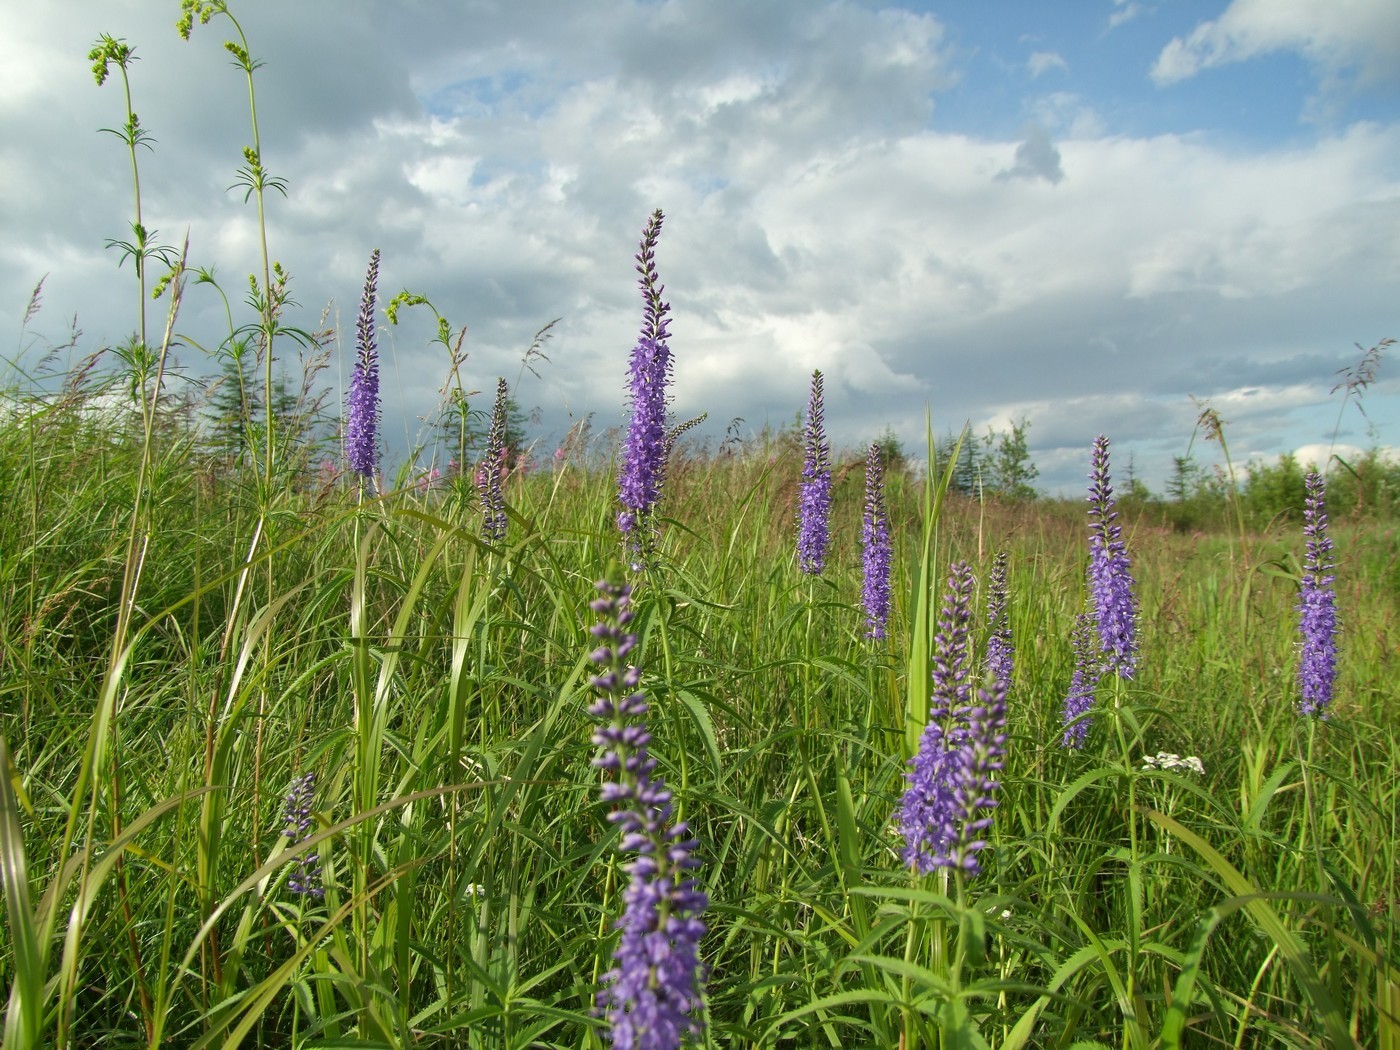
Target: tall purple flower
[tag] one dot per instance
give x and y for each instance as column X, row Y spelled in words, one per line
column 1080, row 698
column 951, row 787
column 362, row 402
column 814, row 512
column 651, row 996
column 1001, row 655
column 643, row 467
column 298, row 822
column 492, row 469
column 1110, row 576
column 1317, row 665
column 875, row 547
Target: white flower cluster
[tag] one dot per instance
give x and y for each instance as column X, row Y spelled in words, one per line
column 1166, row 760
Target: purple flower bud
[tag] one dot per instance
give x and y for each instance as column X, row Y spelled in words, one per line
column 492, row 470
column 650, row 998
column 643, row 469
column 815, row 498
column 951, row 786
column 875, row 547
column 1110, row 576
column 362, row 401
column 298, row 823
column 1001, row 656
column 1080, row 698
column 1317, row 665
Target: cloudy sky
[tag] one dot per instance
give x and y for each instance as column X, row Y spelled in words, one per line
column 1084, row 214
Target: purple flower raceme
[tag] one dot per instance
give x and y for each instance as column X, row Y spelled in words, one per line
column 1110, row 576
column 643, row 469
column 651, row 996
column 1001, row 655
column 814, row 511
column 362, row 402
column 1317, row 664
column 875, row 547
column 493, row 468
column 297, row 821
column 951, row 787
column 1082, row 683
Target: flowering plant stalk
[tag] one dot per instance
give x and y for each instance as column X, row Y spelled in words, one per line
column 951, row 787
column 298, row 823
column 1079, row 701
column 362, row 401
column 492, row 470
column 814, row 511
column 1110, row 574
column 640, row 478
column 950, row 795
column 651, row 996
column 1000, row 659
column 1317, row 624
column 875, row 548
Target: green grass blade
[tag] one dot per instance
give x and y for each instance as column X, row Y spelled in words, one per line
column 1259, row 909
column 24, row 1018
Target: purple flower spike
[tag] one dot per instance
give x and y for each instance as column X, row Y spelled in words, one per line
column 815, row 499
column 298, row 822
column 643, row 469
column 875, row 546
column 1001, row 655
column 492, row 470
column 1080, row 698
column 951, row 787
column 1110, row 576
column 952, row 651
column 1317, row 666
column 362, row 402
column 651, row 996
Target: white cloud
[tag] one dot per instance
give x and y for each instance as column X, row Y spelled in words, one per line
column 1335, row 35
column 817, row 216
column 1066, row 113
column 1044, row 61
column 1319, row 454
column 1126, row 12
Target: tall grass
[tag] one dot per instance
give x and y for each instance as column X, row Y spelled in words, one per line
column 436, row 685
column 183, row 637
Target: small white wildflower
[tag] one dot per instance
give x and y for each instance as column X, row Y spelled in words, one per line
column 1168, row 760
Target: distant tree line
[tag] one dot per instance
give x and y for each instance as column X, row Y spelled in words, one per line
column 1273, row 492
column 996, row 464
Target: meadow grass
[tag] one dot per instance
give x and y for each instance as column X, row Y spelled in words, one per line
column 188, row 635
column 436, row 686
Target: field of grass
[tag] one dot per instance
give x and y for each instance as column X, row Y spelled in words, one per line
column 291, row 761
column 437, row 687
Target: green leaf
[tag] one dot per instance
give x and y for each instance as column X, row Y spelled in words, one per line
column 1256, row 903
